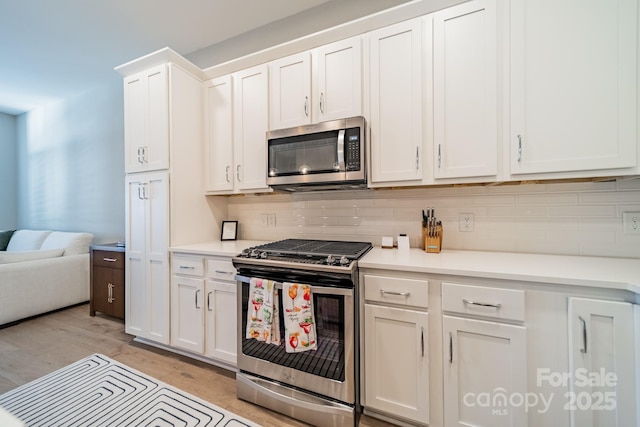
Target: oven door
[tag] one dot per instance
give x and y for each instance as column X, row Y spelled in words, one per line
column 330, row 369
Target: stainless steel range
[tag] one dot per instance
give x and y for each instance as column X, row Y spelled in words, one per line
column 321, row 386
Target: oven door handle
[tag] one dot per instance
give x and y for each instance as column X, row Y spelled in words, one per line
column 300, row 400
column 326, row 290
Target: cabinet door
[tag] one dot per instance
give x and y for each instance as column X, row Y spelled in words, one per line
column 601, row 346
column 251, row 122
column 102, row 279
column 146, row 108
column 465, row 91
column 339, row 80
column 146, row 261
column 396, row 102
column 134, row 122
column 221, row 321
column 290, row 87
column 136, row 321
column 484, row 365
column 573, row 85
column 396, row 358
column 187, row 308
column 157, row 256
column 156, row 155
column 219, row 134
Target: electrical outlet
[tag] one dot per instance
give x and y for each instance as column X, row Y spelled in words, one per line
column 466, row 222
column 631, row 223
column 271, row 219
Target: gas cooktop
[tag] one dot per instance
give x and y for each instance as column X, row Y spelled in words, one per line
column 323, row 252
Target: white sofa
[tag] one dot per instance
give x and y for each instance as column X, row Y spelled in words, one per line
column 41, row 271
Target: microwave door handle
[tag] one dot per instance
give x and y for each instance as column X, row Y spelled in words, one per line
column 340, row 148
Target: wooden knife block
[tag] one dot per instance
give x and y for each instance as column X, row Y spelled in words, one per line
column 432, row 244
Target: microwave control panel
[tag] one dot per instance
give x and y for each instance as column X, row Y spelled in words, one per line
column 352, row 160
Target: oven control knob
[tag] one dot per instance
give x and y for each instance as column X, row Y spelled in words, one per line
column 330, row 260
column 263, row 255
column 344, row 260
column 254, row 253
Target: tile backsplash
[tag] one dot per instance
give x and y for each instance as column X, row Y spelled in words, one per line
column 581, row 218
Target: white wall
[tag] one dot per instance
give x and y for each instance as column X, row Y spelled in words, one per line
column 71, row 164
column 8, row 173
column 319, row 18
column 560, row 218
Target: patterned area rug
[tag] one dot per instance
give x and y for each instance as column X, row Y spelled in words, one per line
column 98, row 391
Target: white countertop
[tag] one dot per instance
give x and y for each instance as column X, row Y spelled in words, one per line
column 226, row 248
column 611, row 273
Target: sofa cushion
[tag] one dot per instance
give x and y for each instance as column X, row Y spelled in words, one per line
column 27, row 240
column 20, row 256
column 72, row 243
column 5, row 236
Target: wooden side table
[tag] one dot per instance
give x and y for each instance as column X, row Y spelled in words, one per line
column 107, row 280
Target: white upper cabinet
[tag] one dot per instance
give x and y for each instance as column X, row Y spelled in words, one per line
column 236, row 122
column 573, row 94
column 146, row 120
column 250, row 124
column 316, row 86
column 465, row 111
column 290, row 84
column 338, row 91
column 218, row 147
column 395, row 73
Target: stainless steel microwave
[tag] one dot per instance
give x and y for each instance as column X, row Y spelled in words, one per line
column 327, row 155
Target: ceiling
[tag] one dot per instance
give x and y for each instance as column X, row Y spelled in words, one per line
column 50, row 49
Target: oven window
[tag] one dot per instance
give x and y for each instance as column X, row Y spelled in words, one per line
column 301, row 155
column 327, row 361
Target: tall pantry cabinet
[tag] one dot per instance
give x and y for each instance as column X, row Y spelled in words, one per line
column 165, row 205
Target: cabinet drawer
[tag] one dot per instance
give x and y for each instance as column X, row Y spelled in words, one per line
column 188, row 265
column 496, row 303
column 395, row 290
column 108, row 259
column 221, row 269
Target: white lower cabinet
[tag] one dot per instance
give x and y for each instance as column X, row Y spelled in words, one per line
column 602, row 360
column 203, row 306
column 187, row 327
column 396, row 348
column 485, row 369
column 221, row 323
column 484, row 366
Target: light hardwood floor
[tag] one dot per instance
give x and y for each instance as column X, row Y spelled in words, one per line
column 35, row 347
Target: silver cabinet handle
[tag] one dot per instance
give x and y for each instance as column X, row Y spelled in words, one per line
column 401, row 294
column 322, row 102
column 224, row 272
column 140, row 195
column 417, row 158
column 422, row 340
column 519, row 148
column 450, row 348
column 109, row 259
column 209, row 301
column 197, row 305
column 140, row 155
column 227, row 173
column 306, row 106
column 238, row 172
column 439, row 156
column 110, row 298
column 187, row 267
column 583, row 350
column 481, row 304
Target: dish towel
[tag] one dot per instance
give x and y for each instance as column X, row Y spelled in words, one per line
column 299, row 321
column 262, row 311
